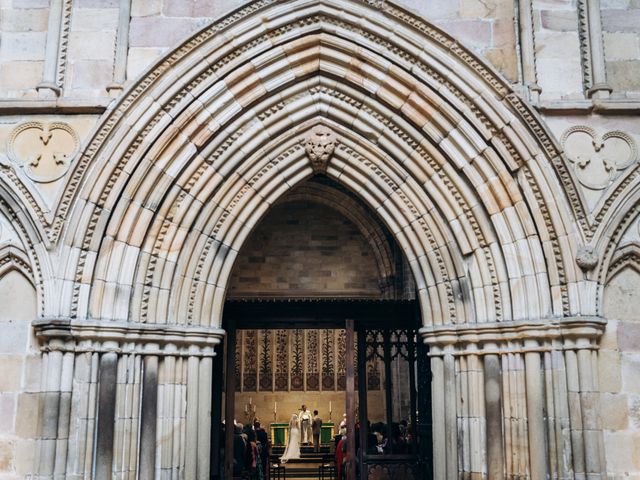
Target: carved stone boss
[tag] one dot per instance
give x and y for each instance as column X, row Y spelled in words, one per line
column 319, row 143
column 43, row 150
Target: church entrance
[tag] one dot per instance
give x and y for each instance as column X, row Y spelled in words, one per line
column 321, row 316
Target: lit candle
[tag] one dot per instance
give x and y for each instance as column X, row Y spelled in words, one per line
column 275, row 407
column 330, row 406
column 249, row 400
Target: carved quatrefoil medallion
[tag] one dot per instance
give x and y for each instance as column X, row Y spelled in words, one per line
column 598, row 160
column 43, row 150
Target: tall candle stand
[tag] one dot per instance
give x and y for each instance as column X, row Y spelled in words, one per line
column 250, row 412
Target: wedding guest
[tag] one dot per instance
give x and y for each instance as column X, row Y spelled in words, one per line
column 341, row 455
column 343, row 422
column 253, row 462
column 239, row 450
column 263, row 439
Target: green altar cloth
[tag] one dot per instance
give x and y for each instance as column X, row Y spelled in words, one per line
column 280, row 433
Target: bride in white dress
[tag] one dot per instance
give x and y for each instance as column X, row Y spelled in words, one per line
column 293, row 445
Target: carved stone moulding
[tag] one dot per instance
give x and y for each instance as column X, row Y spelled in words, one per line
column 626, row 256
column 514, row 337
column 143, row 339
column 43, row 151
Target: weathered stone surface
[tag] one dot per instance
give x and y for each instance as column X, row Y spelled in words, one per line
column 621, row 20
column 455, row 168
column 610, row 371
column 559, row 20
column 615, row 412
column 631, row 373
column 621, row 296
column 198, row 8
column 23, row 20
column 622, row 46
column 11, row 365
column 22, row 46
column 624, row 75
column 144, row 30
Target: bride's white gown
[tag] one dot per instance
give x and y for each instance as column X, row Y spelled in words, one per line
column 293, row 446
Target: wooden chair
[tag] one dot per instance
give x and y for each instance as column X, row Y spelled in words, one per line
column 277, row 472
column 327, row 469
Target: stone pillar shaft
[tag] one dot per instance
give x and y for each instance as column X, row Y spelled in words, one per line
column 493, row 408
column 599, row 87
column 106, row 416
column 148, row 417
column 527, row 51
column 122, row 49
column 535, row 415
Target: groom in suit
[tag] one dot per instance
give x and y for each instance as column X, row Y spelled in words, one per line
column 316, row 428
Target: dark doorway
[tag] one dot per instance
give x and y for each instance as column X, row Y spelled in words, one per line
column 380, row 333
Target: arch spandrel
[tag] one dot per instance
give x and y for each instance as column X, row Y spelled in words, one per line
column 215, row 110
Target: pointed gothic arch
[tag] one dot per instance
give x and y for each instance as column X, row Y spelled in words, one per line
column 458, row 167
column 464, row 150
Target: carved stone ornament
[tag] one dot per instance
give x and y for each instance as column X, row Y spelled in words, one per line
column 319, row 143
column 43, row 150
column 598, row 159
column 587, row 259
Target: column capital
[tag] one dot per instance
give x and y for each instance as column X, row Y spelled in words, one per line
column 512, row 337
column 72, row 335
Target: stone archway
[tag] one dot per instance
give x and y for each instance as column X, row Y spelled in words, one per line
column 459, row 168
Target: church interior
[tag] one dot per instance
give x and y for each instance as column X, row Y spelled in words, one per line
column 321, row 253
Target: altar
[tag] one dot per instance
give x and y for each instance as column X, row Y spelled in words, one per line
column 280, row 433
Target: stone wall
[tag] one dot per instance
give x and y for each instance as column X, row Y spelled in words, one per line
column 19, row 376
column 511, row 199
column 620, row 374
column 89, row 61
column 305, row 250
column 620, row 20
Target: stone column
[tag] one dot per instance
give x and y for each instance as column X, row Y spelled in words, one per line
column 530, row 403
column 439, row 427
column 122, row 49
column 96, row 397
column 535, row 412
column 50, row 86
column 594, row 46
column 527, row 51
column 106, row 416
column 591, row 424
column 148, row 417
column 450, row 437
column 493, row 408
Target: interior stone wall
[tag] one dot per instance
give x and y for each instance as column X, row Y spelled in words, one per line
column 305, row 249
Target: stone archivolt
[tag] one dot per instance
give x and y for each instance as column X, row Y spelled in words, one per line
column 463, row 143
column 459, row 169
